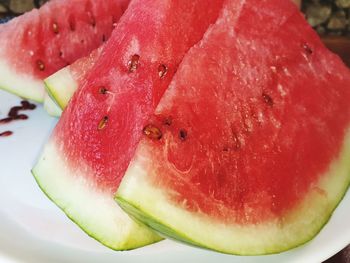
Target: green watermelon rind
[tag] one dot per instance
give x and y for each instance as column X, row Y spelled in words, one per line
column 51, row 107
column 35, row 99
column 135, row 198
column 145, row 218
column 58, row 86
column 90, row 234
column 136, row 235
column 14, row 81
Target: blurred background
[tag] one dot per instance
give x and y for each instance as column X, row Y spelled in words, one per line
column 15, row 7
column 330, row 18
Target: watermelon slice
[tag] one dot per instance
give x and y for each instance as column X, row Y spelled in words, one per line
column 82, row 165
column 248, row 151
column 62, row 85
column 37, row 44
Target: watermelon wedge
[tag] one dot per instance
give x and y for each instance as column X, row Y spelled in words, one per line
column 62, row 85
column 83, row 163
column 39, row 43
column 248, row 151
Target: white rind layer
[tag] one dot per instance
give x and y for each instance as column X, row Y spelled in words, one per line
column 149, row 203
column 21, row 84
column 51, row 107
column 92, row 209
column 61, row 86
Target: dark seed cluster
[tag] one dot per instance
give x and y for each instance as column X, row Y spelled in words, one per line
column 14, row 114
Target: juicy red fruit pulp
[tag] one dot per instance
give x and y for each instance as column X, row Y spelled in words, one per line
column 246, row 131
column 104, row 121
column 58, row 34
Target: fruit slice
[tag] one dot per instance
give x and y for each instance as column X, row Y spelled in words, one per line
column 90, row 149
column 37, row 44
column 62, row 85
column 248, row 151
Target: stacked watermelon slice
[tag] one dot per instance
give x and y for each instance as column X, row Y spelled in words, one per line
column 223, row 124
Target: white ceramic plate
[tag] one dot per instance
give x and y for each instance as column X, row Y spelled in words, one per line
column 32, row 229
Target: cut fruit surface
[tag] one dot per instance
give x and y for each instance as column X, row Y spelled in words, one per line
column 253, row 144
column 40, row 42
column 99, row 130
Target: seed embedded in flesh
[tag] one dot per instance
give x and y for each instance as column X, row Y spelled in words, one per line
column 236, row 141
column 307, row 48
column 162, row 71
column 152, row 132
column 114, row 22
column 103, row 123
column 168, row 121
column 55, row 28
column 133, row 64
column 103, row 90
column 267, row 99
column 93, row 21
column 104, row 38
column 225, row 149
column 41, row 65
column 183, row 135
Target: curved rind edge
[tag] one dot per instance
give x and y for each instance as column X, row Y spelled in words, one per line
column 129, row 198
column 130, row 243
column 168, row 232
column 61, row 87
column 14, row 82
column 51, row 107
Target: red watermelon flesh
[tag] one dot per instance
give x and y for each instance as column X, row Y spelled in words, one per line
column 98, row 132
column 254, row 146
column 39, row 43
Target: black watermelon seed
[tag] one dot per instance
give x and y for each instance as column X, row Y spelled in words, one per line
column 103, row 123
column 267, row 99
column 133, row 64
column 183, row 135
column 152, row 132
